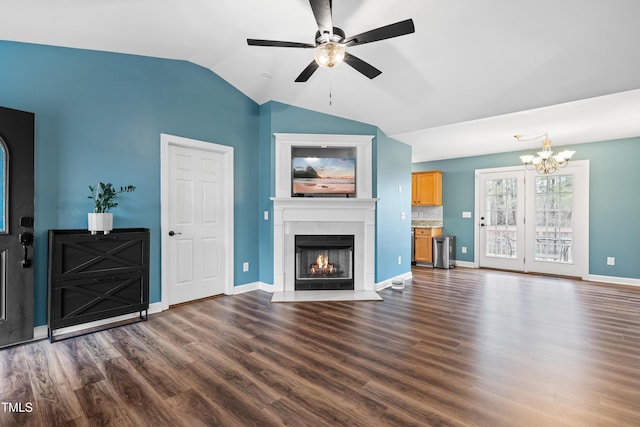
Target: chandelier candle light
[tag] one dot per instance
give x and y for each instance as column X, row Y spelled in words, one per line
column 545, row 162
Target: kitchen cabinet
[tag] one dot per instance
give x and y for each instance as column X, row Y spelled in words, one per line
column 424, row 243
column 426, row 188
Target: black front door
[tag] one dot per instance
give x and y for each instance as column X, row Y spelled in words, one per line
column 16, row 226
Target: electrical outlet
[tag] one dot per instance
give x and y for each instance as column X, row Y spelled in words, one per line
column 265, row 215
column 464, row 249
column 402, row 216
column 245, row 266
column 611, row 260
column 399, row 188
column 399, row 260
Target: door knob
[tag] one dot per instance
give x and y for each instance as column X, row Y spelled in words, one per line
column 171, row 233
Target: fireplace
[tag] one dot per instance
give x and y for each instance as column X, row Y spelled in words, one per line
column 324, row 262
column 316, row 223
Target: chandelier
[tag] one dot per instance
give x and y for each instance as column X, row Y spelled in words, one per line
column 545, row 162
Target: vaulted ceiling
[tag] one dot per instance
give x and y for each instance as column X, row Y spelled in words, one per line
column 472, row 75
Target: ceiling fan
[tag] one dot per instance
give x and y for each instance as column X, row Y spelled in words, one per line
column 331, row 43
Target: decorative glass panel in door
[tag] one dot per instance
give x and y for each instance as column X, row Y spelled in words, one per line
column 3, row 187
column 501, row 218
column 554, row 218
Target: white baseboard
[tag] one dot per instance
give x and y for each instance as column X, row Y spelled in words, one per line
column 40, row 332
column 466, row 264
column 386, row 283
column 267, row 287
column 613, row 279
column 255, row 286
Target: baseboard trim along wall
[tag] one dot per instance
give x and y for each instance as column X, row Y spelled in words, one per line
column 614, row 280
column 387, row 283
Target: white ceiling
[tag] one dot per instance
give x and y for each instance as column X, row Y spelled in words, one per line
column 472, row 75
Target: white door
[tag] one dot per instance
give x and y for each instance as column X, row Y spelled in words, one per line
column 534, row 223
column 197, row 227
column 501, row 220
column 558, row 221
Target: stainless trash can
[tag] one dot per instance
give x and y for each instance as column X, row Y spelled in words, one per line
column 444, row 251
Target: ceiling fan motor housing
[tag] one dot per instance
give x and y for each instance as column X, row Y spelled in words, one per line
column 337, row 37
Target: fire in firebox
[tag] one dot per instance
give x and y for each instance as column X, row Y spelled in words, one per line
column 322, row 268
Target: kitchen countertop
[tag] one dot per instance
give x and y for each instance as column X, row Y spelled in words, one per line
column 426, row 223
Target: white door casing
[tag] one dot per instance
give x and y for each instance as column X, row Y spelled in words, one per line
column 197, row 206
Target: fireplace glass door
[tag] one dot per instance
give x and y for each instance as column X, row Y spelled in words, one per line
column 324, row 262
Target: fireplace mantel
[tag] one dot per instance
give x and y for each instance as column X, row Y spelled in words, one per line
column 324, row 215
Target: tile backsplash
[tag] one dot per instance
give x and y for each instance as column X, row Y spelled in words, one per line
column 433, row 213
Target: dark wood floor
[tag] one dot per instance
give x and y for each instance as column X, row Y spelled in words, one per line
column 457, row 347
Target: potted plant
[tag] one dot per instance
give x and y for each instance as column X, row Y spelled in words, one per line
column 104, row 199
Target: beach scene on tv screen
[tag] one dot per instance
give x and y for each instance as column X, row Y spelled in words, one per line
column 321, row 175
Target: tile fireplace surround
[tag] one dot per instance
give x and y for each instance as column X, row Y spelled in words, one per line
column 323, row 216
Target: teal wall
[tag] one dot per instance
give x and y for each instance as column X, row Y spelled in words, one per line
column 393, row 188
column 390, row 158
column 99, row 116
column 614, row 202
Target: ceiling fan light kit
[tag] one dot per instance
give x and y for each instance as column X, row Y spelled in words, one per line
column 331, row 45
column 328, row 55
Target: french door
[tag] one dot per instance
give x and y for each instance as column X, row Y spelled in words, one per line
column 534, row 223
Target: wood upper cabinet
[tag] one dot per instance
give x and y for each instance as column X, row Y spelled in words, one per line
column 426, row 188
column 424, row 243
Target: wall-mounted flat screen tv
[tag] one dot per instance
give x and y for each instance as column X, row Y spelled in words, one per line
column 315, row 176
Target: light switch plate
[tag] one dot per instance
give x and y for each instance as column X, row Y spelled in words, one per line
column 466, row 214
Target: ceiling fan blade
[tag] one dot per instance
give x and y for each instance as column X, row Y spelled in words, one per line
column 389, row 31
column 276, row 43
column 307, row 72
column 322, row 12
column 361, row 66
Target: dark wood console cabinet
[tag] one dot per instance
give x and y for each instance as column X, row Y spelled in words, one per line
column 95, row 277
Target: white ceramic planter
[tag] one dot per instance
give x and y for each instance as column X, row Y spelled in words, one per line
column 100, row 222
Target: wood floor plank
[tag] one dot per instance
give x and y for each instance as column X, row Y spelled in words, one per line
column 458, row 347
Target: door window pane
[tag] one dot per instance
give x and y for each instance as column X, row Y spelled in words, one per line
column 500, row 217
column 3, row 186
column 554, row 218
